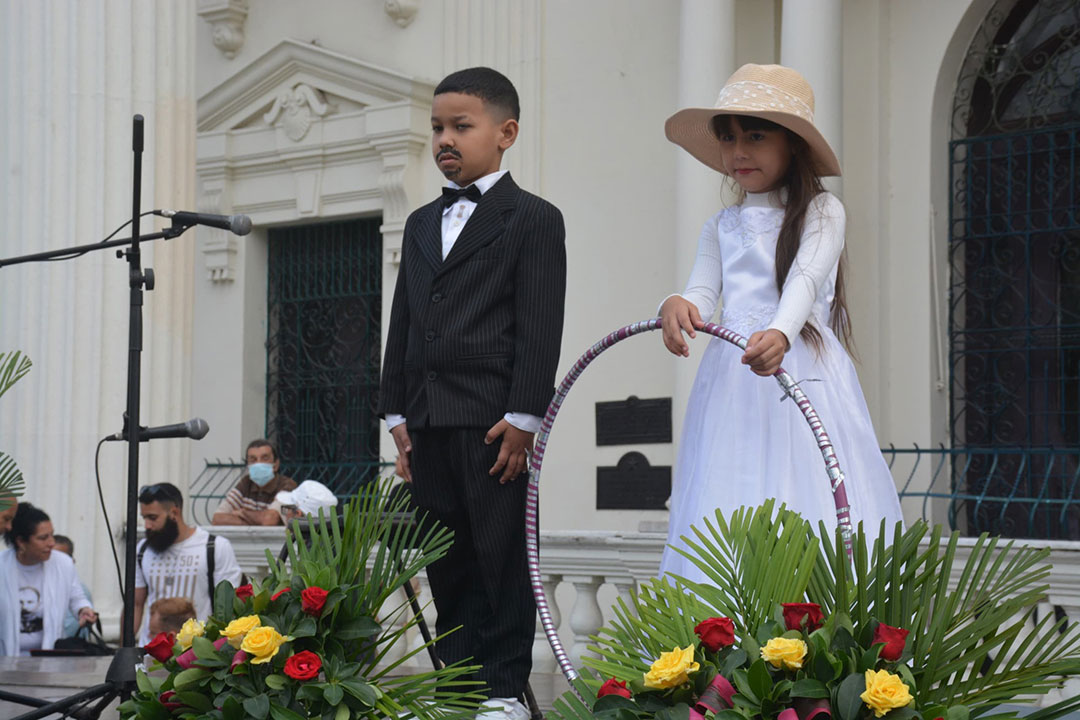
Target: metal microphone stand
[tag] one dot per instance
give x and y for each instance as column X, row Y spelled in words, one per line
column 120, row 678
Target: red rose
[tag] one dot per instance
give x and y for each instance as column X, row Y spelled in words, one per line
column 278, row 594
column 303, row 665
column 795, row 612
column 313, row 599
column 716, row 632
column 613, row 687
column 244, row 592
column 238, row 659
column 165, row 699
column 894, row 638
column 160, row 648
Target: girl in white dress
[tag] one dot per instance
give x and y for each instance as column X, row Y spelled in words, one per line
column 774, row 262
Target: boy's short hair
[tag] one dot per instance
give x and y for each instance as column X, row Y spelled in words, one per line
column 491, row 86
column 173, row 612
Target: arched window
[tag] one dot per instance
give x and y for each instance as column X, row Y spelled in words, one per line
column 1014, row 254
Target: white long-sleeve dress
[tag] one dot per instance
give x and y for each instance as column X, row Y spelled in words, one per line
column 740, row 443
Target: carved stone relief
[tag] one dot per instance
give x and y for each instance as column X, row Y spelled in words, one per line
column 293, row 110
column 226, row 18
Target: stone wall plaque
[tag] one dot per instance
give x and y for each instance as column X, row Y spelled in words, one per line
column 633, row 421
column 633, row 484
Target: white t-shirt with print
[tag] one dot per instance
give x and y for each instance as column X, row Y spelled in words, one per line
column 31, row 617
column 180, row 571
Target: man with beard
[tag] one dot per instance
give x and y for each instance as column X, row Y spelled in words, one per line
column 175, row 559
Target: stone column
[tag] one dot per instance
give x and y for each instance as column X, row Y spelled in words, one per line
column 811, row 41
column 507, row 37
column 75, row 74
column 706, row 59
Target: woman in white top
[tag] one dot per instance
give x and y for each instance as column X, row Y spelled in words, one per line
column 774, row 263
column 37, row 586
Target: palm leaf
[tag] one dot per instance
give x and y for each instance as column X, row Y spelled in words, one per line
column 755, row 560
column 13, row 366
column 973, row 643
column 11, row 481
column 373, row 551
column 571, row 706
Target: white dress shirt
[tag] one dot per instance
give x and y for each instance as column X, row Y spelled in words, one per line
column 453, row 222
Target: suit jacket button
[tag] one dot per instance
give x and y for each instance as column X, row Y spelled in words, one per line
column 432, row 375
column 429, row 335
column 436, row 297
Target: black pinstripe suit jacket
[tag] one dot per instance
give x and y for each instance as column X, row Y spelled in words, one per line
column 477, row 335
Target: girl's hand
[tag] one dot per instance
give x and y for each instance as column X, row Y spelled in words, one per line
column 765, row 351
column 678, row 314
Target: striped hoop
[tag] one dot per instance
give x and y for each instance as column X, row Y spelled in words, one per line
column 532, row 503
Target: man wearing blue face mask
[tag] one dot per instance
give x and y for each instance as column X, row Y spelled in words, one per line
column 252, row 501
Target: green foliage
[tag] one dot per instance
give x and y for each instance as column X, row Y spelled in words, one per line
column 360, row 560
column 970, row 648
column 13, row 366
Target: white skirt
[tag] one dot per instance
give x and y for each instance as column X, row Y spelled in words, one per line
column 742, row 445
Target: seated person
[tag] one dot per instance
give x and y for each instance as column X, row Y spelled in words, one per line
column 65, row 545
column 307, row 499
column 170, row 614
column 36, row 586
column 252, row 501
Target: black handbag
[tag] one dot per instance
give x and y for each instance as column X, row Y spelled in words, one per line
column 87, row 642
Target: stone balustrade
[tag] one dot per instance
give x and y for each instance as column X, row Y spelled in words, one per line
column 584, row 572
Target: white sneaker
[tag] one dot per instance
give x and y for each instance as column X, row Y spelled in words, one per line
column 502, row 709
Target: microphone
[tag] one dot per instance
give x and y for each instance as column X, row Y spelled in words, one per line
column 238, row 224
column 196, row 429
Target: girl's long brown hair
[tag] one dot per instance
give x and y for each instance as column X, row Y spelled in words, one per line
column 803, row 185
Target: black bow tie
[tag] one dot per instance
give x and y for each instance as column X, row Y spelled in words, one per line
column 452, row 195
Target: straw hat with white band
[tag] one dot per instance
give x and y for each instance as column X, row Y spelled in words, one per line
column 771, row 92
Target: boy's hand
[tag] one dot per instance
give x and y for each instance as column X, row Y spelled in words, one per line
column 765, row 351
column 678, row 314
column 513, row 454
column 402, row 466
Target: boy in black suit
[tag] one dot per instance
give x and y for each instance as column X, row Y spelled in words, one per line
column 469, row 369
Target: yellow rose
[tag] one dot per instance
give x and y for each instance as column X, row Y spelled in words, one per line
column 884, row 692
column 238, row 628
column 787, row 653
column 263, row 643
column 671, row 668
column 191, row 629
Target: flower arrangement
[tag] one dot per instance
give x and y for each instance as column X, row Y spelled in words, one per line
column 789, row 629
column 307, row 642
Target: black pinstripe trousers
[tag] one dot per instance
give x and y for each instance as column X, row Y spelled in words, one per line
column 482, row 584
